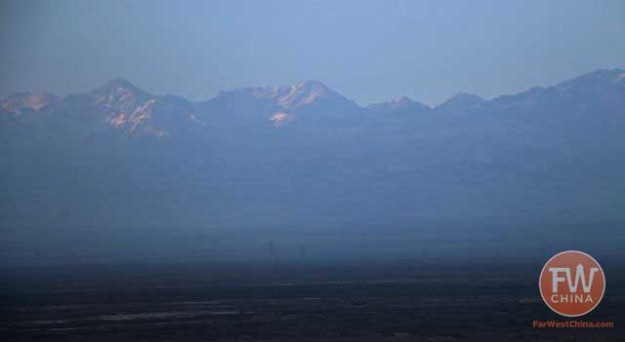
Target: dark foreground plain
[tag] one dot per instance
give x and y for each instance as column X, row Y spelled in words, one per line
column 471, row 300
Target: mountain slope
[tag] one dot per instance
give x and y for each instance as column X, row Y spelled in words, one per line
column 401, row 105
column 310, row 101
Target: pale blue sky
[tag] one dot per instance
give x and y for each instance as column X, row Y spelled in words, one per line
column 367, row 50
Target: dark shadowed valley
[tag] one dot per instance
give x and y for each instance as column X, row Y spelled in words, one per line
column 475, row 299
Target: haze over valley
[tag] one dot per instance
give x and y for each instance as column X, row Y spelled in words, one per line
column 302, row 173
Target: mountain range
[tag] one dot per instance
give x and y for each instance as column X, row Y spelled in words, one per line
column 129, row 109
column 296, row 160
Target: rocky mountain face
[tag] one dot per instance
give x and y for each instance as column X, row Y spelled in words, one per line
column 261, row 159
column 279, row 106
column 23, row 104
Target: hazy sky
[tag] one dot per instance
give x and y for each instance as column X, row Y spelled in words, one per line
column 366, row 50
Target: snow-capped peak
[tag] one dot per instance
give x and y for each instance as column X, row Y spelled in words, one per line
column 299, row 95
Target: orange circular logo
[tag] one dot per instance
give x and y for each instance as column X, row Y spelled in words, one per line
column 572, row 283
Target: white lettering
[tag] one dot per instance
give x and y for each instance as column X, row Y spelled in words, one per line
column 572, row 283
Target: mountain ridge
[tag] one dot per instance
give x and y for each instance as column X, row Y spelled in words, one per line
column 124, row 106
column 614, row 74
